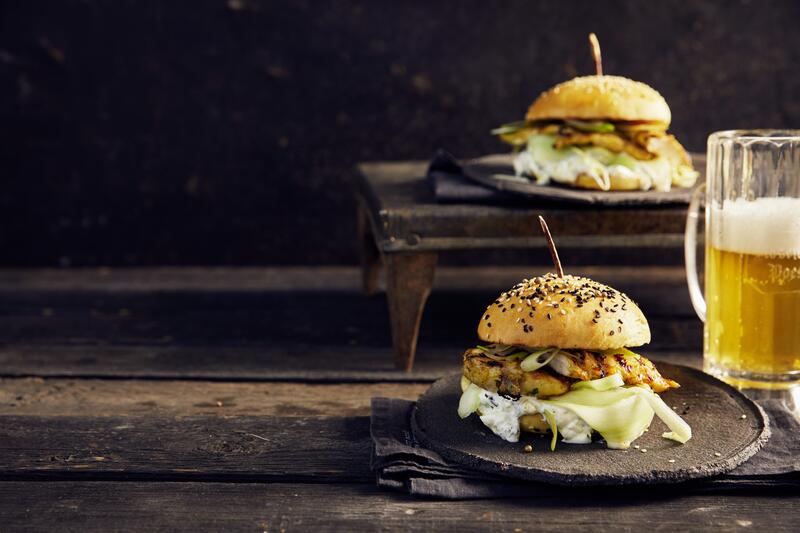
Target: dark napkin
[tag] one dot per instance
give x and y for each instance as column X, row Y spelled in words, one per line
column 400, row 463
column 450, row 185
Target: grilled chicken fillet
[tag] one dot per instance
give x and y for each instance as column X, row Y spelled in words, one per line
column 507, row 378
column 635, row 369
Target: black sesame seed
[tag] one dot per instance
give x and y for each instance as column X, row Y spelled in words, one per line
column 486, row 317
column 489, row 324
column 611, row 332
column 548, row 316
column 512, row 306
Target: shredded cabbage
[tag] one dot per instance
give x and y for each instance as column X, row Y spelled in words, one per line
column 470, row 401
column 609, row 382
column 679, row 430
column 535, row 361
column 618, row 415
column 551, row 420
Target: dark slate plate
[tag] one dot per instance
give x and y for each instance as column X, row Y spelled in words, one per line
column 497, row 171
column 711, row 407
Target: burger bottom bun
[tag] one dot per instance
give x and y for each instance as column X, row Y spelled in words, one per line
column 533, row 423
column 618, row 183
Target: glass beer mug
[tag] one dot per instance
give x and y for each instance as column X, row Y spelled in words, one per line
column 751, row 308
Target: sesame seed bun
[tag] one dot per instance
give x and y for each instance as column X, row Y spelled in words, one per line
column 568, row 312
column 601, row 98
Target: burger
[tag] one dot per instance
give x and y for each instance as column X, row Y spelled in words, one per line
column 606, row 133
column 556, row 358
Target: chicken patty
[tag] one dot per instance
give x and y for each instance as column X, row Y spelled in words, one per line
column 506, row 377
column 634, row 368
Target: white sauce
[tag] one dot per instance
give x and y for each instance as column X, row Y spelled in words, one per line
column 564, row 170
column 562, row 166
column 501, row 415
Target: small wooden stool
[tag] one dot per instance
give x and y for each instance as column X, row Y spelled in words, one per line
column 401, row 226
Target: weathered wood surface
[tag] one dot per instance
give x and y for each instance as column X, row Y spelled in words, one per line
column 172, row 383
column 280, row 507
column 178, row 398
column 296, row 362
column 290, row 279
column 243, row 448
column 206, row 324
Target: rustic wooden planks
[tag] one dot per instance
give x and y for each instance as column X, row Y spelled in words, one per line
column 103, row 397
column 246, row 448
column 144, row 392
column 283, row 507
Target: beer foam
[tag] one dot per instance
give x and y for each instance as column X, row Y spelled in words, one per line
column 766, row 226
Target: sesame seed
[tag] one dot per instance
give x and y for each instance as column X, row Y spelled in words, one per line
column 672, row 460
column 611, row 333
column 563, row 312
column 527, row 448
column 643, row 450
column 743, row 417
column 489, row 324
column 548, row 316
column 717, row 454
column 636, row 446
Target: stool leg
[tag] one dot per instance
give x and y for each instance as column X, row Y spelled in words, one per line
column 409, row 277
column 369, row 254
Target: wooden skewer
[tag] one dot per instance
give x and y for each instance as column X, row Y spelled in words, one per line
column 594, row 45
column 552, row 246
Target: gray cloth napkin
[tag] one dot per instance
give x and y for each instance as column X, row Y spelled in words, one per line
column 450, row 185
column 400, row 463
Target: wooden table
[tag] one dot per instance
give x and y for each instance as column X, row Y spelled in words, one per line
column 190, row 399
column 402, row 226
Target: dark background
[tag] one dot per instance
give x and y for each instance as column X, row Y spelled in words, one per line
column 223, row 132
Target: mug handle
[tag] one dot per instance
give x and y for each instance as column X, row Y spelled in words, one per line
column 690, row 253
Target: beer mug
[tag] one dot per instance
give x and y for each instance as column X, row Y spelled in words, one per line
column 751, row 308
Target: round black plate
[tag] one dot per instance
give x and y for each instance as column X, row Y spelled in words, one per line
column 721, row 438
column 497, row 171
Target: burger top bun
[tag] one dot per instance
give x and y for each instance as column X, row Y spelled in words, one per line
column 611, row 98
column 564, row 312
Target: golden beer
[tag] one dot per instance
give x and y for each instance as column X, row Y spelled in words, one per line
column 752, row 334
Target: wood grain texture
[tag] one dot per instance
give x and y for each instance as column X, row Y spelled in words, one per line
column 244, row 325
column 103, row 397
column 296, row 362
column 278, row 507
column 309, row 449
